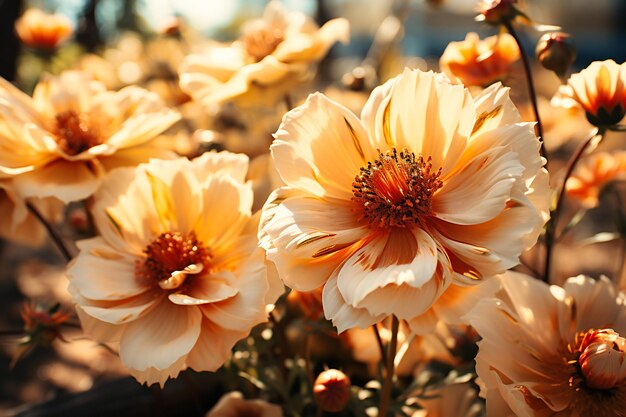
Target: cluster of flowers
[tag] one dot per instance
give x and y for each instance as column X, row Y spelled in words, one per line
column 415, row 210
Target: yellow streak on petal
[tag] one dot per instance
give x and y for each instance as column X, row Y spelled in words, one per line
column 162, row 201
column 312, row 238
column 355, row 140
column 114, row 222
column 331, row 249
column 387, row 125
column 483, row 117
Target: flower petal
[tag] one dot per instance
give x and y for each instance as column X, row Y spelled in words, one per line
column 173, row 329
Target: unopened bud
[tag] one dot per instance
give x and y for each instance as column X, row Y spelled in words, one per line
column 332, row 390
column 556, row 51
column 497, row 12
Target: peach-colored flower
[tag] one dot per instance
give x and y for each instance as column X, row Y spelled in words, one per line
column 176, row 276
column 62, row 141
column 271, row 58
column 452, row 400
column 479, row 62
column 600, row 89
column 41, row 30
column 17, row 223
column 234, row 405
column 593, row 173
column 429, row 187
column 552, row 351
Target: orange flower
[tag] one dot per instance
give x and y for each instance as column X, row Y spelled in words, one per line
column 479, row 62
column 273, row 56
column 41, row 30
column 429, row 189
column 593, row 173
column 600, row 89
column 551, row 351
column 62, row 141
column 176, row 276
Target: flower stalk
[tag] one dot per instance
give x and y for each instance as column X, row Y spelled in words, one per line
column 531, row 86
column 555, row 210
column 54, row 234
column 385, row 397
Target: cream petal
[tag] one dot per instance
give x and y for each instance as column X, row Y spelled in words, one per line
column 118, row 311
column 19, row 101
column 67, row 181
column 171, row 328
column 309, row 238
column 320, row 148
column 213, row 347
column 494, row 109
column 124, row 211
column 153, row 375
column 229, row 203
column 70, row 91
column 99, row 330
column 342, row 315
column 102, row 273
column 395, row 258
column 206, row 289
column 247, row 308
column 142, row 128
column 440, row 122
column 234, row 164
column 479, row 190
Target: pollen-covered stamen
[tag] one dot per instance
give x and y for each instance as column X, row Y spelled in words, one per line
column 396, row 189
column 170, row 258
column 76, row 133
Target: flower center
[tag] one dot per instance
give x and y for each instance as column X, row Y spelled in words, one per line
column 170, row 258
column 396, row 189
column 261, row 40
column 75, row 132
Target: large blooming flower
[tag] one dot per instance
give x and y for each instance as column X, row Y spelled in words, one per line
column 479, row 62
column 600, row 89
column 551, row 351
column 430, row 187
column 63, row 140
column 176, row 276
column 271, row 58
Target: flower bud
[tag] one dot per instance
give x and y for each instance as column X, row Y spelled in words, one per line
column 603, row 359
column 332, row 390
column 496, row 12
column 556, row 51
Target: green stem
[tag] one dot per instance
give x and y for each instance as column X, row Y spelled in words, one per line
column 385, row 396
column 555, row 211
column 531, row 85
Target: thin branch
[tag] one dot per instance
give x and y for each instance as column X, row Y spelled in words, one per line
column 385, row 397
column 52, row 231
column 531, row 86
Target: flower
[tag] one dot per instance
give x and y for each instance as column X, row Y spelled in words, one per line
column 272, row 56
column 176, row 276
column 331, row 390
column 556, row 51
column 234, row 405
column 593, row 173
column 479, row 62
column 62, row 141
column 552, row 351
column 600, row 89
column 496, row 12
column 429, row 187
column 17, row 223
column 41, row 30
